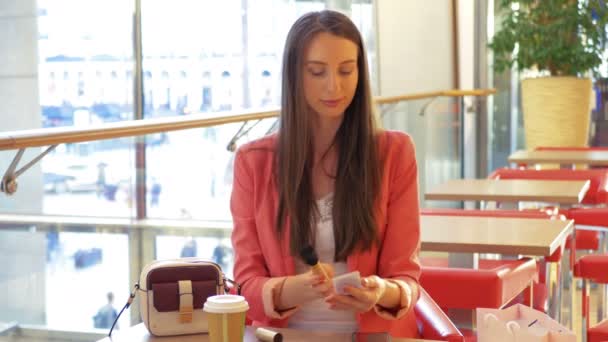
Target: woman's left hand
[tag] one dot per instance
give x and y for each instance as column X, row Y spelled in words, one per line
column 359, row 299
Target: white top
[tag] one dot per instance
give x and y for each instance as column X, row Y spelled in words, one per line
column 316, row 315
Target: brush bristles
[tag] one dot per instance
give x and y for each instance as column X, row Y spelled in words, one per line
column 309, row 256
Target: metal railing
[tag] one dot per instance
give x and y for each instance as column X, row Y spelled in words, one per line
column 20, row 140
column 52, row 136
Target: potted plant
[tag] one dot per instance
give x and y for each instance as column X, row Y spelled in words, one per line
column 563, row 42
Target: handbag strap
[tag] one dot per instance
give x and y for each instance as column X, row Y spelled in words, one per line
column 234, row 283
column 186, row 301
column 129, row 301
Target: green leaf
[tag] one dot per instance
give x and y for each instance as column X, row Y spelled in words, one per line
column 564, row 37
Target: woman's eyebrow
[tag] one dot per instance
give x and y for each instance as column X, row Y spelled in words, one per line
column 323, row 63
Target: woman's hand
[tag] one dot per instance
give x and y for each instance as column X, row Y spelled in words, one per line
column 359, row 299
column 305, row 287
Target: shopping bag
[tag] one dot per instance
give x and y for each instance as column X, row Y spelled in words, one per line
column 519, row 323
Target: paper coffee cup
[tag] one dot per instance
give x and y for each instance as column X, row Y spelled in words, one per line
column 226, row 317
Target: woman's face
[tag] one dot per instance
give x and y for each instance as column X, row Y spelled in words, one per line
column 330, row 75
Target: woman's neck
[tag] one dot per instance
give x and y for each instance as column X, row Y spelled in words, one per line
column 323, row 135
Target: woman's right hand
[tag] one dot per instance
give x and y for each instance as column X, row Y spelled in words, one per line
column 305, row 287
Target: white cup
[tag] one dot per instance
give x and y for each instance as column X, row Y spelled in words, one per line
column 226, row 316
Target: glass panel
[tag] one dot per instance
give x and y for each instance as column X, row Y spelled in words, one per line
column 23, row 277
column 190, row 172
column 434, row 126
column 190, row 175
column 363, row 16
column 62, row 279
column 85, row 78
column 218, row 250
column 84, row 73
column 90, row 179
column 505, row 115
column 502, row 111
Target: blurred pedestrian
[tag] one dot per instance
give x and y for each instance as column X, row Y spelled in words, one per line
column 101, row 179
column 106, row 315
column 189, row 249
column 155, row 193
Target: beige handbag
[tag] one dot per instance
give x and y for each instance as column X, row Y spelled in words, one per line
column 173, row 292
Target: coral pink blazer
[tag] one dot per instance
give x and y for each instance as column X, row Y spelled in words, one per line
column 260, row 256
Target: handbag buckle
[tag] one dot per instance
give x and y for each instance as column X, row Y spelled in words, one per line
column 186, row 301
column 185, row 314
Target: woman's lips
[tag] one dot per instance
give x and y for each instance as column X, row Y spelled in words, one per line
column 332, row 103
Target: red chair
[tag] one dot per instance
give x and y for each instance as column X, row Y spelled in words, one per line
column 596, row 217
column 493, row 285
column 595, row 268
column 540, row 292
column 433, row 323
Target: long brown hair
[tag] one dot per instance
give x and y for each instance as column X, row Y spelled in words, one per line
column 358, row 171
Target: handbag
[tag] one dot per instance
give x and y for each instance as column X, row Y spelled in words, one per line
column 173, row 292
column 520, row 323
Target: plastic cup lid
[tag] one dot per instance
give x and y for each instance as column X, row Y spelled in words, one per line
column 226, row 304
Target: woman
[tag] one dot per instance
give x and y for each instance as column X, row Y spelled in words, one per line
column 331, row 180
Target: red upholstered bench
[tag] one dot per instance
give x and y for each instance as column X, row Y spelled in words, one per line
column 595, row 268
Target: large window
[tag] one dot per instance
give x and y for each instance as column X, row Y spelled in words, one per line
column 213, row 56
column 199, row 56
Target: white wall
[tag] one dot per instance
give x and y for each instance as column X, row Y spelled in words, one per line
column 466, row 27
column 415, row 55
column 414, row 46
column 19, row 105
column 466, row 52
column 22, row 254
